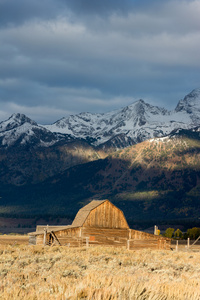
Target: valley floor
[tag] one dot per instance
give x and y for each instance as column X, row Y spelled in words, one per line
column 62, row 273
column 13, row 240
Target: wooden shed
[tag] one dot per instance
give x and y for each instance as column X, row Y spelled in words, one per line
column 98, row 223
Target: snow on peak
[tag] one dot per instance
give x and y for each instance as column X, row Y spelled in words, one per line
column 134, row 123
column 190, row 102
column 19, row 129
column 14, row 121
column 102, row 127
column 191, row 106
column 138, row 121
column 21, row 119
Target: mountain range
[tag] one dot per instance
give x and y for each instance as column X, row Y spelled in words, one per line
column 132, row 124
column 117, row 129
column 143, row 158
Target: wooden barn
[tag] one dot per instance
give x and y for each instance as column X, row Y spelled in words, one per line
column 98, row 223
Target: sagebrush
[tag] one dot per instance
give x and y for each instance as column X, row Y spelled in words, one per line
column 36, row 272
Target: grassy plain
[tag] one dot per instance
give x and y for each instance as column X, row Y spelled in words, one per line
column 13, row 240
column 62, row 273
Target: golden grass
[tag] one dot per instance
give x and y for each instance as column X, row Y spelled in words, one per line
column 13, row 239
column 36, row 272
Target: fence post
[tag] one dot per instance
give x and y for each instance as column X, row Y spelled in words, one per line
column 45, row 234
column 128, row 244
column 188, row 243
column 177, row 245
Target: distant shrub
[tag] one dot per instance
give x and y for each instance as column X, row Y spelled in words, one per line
column 178, row 234
column 169, row 232
column 193, row 233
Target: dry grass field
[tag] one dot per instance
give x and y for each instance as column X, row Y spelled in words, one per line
column 13, row 239
column 98, row 273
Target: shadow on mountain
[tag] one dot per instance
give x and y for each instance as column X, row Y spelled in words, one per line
column 145, row 195
column 151, row 182
column 27, row 165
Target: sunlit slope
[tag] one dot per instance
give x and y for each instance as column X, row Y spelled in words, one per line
column 156, row 179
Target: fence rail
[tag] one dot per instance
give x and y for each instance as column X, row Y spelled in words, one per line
column 131, row 244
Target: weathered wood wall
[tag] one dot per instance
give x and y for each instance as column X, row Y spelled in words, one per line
column 106, row 215
column 77, row 237
column 127, row 238
column 140, row 239
column 64, row 237
column 107, row 237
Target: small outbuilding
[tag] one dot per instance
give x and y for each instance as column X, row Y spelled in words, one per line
column 98, row 223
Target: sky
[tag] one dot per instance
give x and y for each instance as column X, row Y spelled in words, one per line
column 62, row 57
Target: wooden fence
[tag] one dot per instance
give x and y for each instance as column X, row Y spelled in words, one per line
column 53, row 238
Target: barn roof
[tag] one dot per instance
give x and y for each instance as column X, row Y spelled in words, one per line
column 84, row 212
column 50, row 229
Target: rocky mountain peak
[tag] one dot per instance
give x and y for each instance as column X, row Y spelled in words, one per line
column 190, row 105
column 190, row 102
column 15, row 121
column 19, row 130
column 21, row 119
column 194, row 94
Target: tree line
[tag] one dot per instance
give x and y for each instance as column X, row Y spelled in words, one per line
column 192, row 233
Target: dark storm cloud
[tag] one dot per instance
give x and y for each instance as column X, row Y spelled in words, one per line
column 65, row 56
column 14, row 12
column 103, row 7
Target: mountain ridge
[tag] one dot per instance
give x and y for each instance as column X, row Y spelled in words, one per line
column 138, row 121
column 30, row 152
column 116, row 129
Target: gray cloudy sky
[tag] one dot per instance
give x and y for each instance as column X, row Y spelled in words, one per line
column 61, row 57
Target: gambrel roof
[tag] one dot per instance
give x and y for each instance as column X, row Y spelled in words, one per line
column 84, row 212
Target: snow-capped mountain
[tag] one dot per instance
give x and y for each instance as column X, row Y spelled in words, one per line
column 116, row 129
column 131, row 124
column 20, row 130
column 190, row 105
column 31, row 152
